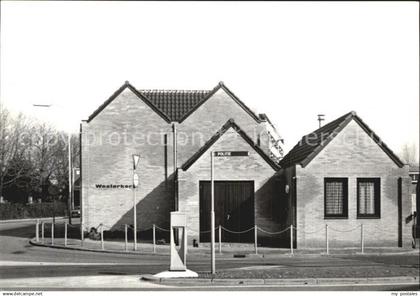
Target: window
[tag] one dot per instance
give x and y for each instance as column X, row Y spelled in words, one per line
column 368, row 198
column 335, row 194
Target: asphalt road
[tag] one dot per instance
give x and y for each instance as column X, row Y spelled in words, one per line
column 22, row 260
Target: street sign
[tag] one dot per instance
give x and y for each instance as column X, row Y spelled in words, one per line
column 135, row 180
column 230, row 153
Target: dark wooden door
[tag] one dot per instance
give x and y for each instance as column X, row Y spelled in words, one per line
column 234, row 209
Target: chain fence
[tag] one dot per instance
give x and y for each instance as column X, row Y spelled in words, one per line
column 112, row 235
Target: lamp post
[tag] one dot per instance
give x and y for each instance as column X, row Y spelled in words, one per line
column 69, row 160
column 136, row 158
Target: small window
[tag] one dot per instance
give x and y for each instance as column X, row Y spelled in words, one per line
column 335, row 195
column 368, row 198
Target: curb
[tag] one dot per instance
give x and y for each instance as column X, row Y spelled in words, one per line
column 31, row 219
column 281, row 282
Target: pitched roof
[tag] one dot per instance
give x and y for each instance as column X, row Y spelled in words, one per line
column 313, row 143
column 136, row 92
column 229, row 124
column 174, row 105
column 231, row 94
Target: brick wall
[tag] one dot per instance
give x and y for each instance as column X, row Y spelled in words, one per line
column 201, row 125
column 251, row 168
column 126, row 126
column 352, row 154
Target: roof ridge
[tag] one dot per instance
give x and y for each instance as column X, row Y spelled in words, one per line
column 303, row 152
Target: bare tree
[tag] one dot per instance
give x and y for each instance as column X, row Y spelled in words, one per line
column 409, row 153
column 13, row 147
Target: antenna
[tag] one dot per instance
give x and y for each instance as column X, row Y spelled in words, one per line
column 320, row 118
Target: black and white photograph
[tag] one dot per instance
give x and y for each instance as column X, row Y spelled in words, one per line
column 209, row 146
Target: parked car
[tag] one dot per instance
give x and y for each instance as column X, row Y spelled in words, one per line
column 75, row 213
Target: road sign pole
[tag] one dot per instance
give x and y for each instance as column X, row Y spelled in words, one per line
column 212, row 222
column 135, row 219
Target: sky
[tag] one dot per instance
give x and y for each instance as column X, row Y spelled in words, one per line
column 290, row 60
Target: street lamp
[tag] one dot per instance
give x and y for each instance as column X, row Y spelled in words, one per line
column 69, row 157
column 136, row 159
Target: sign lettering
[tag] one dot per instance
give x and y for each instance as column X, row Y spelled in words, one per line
column 230, row 153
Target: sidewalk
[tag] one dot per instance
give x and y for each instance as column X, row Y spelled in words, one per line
column 229, row 250
column 130, row 282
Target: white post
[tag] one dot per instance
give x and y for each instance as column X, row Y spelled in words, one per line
column 212, row 222
column 362, row 239
column 82, row 234
column 42, row 231
column 102, row 237
column 154, row 238
column 256, row 238
column 37, row 230
column 291, row 239
column 126, row 239
column 220, row 239
column 65, row 234
column 326, row 239
column 52, row 233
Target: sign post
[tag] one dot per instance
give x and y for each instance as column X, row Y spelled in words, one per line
column 136, row 159
column 212, row 217
column 212, row 222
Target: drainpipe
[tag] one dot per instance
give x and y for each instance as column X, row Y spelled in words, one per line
column 175, row 166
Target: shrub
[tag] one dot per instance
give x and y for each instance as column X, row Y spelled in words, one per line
column 35, row 210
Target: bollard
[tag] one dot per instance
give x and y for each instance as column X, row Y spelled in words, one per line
column 220, row 239
column 52, row 233
column 102, row 238
column 82, row 234
column 154, row 238
column 126, row 238
column 362, row 239
column 326, row 239
column 42, row 231
column 256, row 238
column 291, row 239
column 37, row 230
column 65, row 234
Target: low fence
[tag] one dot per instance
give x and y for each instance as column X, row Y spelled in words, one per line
column 160, row 236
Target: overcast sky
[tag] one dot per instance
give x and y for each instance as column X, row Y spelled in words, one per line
column 291, row 61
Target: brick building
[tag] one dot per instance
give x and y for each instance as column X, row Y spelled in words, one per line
column 174, row 132
column 342, row 175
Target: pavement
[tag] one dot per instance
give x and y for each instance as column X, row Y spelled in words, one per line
column 26, row 266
